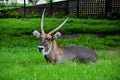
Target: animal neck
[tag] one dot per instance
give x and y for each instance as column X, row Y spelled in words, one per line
column 54, row 53
column 56, row 49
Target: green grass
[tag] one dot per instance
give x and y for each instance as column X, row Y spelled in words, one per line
column 20, row 59
column 24, row 63
column 72, row 26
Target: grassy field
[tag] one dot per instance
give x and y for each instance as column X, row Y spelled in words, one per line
column 20, row 59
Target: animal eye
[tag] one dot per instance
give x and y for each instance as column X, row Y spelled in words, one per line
column 48, row 39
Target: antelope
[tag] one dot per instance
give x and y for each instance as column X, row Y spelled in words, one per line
column 54, row 53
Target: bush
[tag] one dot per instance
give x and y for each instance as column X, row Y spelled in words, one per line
column 16, row 4
column 58, row 15
column 83, row 15
column 73, row 16
column 33, row 15
column 2, row 5
column 10, row 14
column 13, row 14
column 113, row 15
column 1, row 14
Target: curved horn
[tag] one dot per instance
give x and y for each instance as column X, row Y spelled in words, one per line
column 53, row 31
column 42, row 21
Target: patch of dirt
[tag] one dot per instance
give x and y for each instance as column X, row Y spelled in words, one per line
column 77, row 35
column 70, row 36
column 113, row 51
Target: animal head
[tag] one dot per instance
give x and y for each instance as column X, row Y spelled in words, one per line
column 47, row 38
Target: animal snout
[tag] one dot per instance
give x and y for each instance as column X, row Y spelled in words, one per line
column 40, row 48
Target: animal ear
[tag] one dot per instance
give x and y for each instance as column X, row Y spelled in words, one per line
column 57, row 35
column 36, row 33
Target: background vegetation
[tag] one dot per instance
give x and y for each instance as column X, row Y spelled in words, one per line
column 20, row 59
column 6, row 5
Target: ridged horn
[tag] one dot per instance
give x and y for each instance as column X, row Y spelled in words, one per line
column 42, row 22
column 56, row 29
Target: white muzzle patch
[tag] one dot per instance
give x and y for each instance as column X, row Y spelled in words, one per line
column 42, row 49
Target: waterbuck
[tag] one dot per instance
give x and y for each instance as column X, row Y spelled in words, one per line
column 57, row 54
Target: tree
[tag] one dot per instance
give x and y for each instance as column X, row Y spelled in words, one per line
column 30, row 1
column 48, row 1
column 7, row 1
column 33, row 1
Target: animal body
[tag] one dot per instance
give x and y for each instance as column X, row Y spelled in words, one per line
column 58, row 54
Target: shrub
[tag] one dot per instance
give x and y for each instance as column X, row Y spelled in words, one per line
column 1, row 14
column 83, row 15
column 58, row 15
column 9, row 14
column 2, row 5
column 114, row 15
column 33, row 15
column 13, row 14
column 16, row 4
column 72, row 15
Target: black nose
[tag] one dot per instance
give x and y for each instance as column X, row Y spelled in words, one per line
column 40, row 49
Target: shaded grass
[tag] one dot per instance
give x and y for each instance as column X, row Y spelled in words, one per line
column 20, row 60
